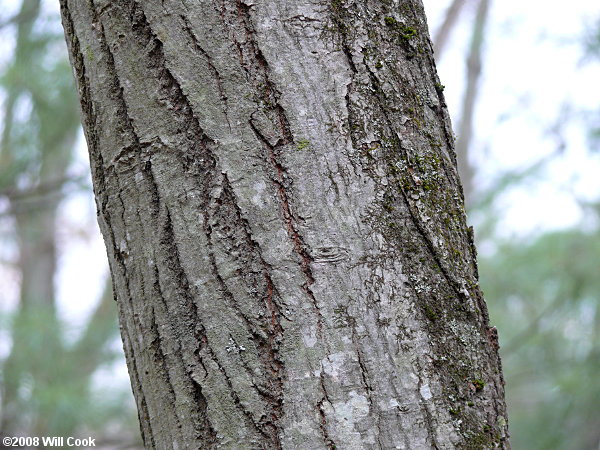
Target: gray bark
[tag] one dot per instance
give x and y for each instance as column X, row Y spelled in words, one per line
column 277, row 189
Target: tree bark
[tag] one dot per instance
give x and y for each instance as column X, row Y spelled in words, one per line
column 276, row 185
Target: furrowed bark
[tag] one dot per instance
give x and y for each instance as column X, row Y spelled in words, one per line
column 276, row 185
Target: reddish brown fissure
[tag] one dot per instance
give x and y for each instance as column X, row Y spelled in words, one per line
column 256, row 67
column 273, row 392
column 298, row 243
column 323, row 425
column 235, row 238
column 257, row 70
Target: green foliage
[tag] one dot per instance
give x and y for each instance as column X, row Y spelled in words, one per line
column 543, row 295
column 592, row 40
column 40, row 116
column 46, row 380
column 592, row 50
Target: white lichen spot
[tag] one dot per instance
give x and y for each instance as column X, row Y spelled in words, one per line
column 354, row 409
column 349, row 416
column 333, row 364
column 233, row 346
column 425, row 392
column 310, row 340
column 347, row 340
column 259, row 189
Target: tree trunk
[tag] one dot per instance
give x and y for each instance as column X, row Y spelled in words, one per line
column 277, row 189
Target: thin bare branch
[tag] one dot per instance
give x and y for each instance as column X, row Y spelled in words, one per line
column 465, row 131
column 442, row 34
column 41, row 189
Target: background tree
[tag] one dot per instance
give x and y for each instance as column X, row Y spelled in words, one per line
column 277, row 187
column 46, row 377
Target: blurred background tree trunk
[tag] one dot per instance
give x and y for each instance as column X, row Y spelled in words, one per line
column 35, row 220
column 46, row 376
column 277, row 188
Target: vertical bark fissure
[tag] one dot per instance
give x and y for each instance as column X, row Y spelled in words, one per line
column 101, row 194
column 272, row 437
column 162, row 364
column 257, row 69
column 273, row 364
column 329, row 442
column 185, row 322
column 291, row 227
column 364, row 377
column 126, row 304
column 216, row 75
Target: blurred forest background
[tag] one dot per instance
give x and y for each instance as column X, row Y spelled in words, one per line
column 522, row 86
